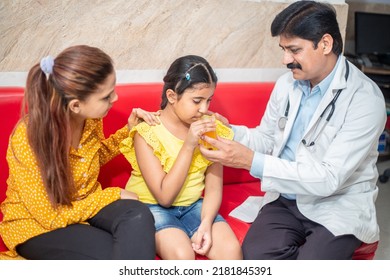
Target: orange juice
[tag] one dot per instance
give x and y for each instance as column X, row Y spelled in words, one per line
column 211, row 134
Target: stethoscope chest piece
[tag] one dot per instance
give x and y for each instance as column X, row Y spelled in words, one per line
column 282, row 122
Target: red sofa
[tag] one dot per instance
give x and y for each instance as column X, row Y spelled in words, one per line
column 242, row 103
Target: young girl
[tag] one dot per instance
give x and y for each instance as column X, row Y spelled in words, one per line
column 170, row 174
column 55, row 207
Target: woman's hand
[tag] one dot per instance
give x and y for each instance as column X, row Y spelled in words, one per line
column 137, row 114
column 125, row 194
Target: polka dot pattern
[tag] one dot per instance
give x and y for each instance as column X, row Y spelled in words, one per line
column 27, row 210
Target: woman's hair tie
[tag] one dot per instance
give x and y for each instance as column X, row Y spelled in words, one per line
column 47, row 64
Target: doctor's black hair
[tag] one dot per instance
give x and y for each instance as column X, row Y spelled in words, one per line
column 184, row 73
column 308, row 20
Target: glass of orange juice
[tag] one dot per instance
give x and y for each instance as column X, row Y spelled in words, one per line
column 211, row 134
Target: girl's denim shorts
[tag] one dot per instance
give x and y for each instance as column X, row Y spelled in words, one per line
column 186, row 218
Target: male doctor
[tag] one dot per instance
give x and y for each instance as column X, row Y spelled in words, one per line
column 315, row 149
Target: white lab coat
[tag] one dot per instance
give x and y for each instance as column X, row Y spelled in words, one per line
column 334, row 180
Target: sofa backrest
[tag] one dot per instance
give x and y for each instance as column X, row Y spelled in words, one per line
column 10, row 108
column 241, row 103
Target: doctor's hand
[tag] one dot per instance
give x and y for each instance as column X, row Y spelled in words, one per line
column 219, row 117
column 229, row 153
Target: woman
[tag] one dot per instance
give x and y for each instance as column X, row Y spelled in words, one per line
column 55, row 207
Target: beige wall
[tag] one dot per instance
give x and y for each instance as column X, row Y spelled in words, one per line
column 144, row 34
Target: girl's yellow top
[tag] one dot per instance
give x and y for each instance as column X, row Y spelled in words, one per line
column 27, row 210
column 166, row 148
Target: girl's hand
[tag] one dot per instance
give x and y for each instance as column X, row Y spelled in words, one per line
column 137, row 114
column 198, row 128
column 201, row 240
column 125, row 194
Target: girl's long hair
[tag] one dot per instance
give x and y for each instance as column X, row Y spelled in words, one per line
column 77, row 72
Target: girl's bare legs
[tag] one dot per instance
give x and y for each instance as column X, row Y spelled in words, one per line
column 225, row 244
column 174, row 244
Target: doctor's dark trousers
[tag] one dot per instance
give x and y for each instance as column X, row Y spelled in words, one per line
column 280, row 231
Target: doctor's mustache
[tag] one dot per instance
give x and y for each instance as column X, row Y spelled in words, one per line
column 294, row 66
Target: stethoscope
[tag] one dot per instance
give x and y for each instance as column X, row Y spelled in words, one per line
column 332, row 105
